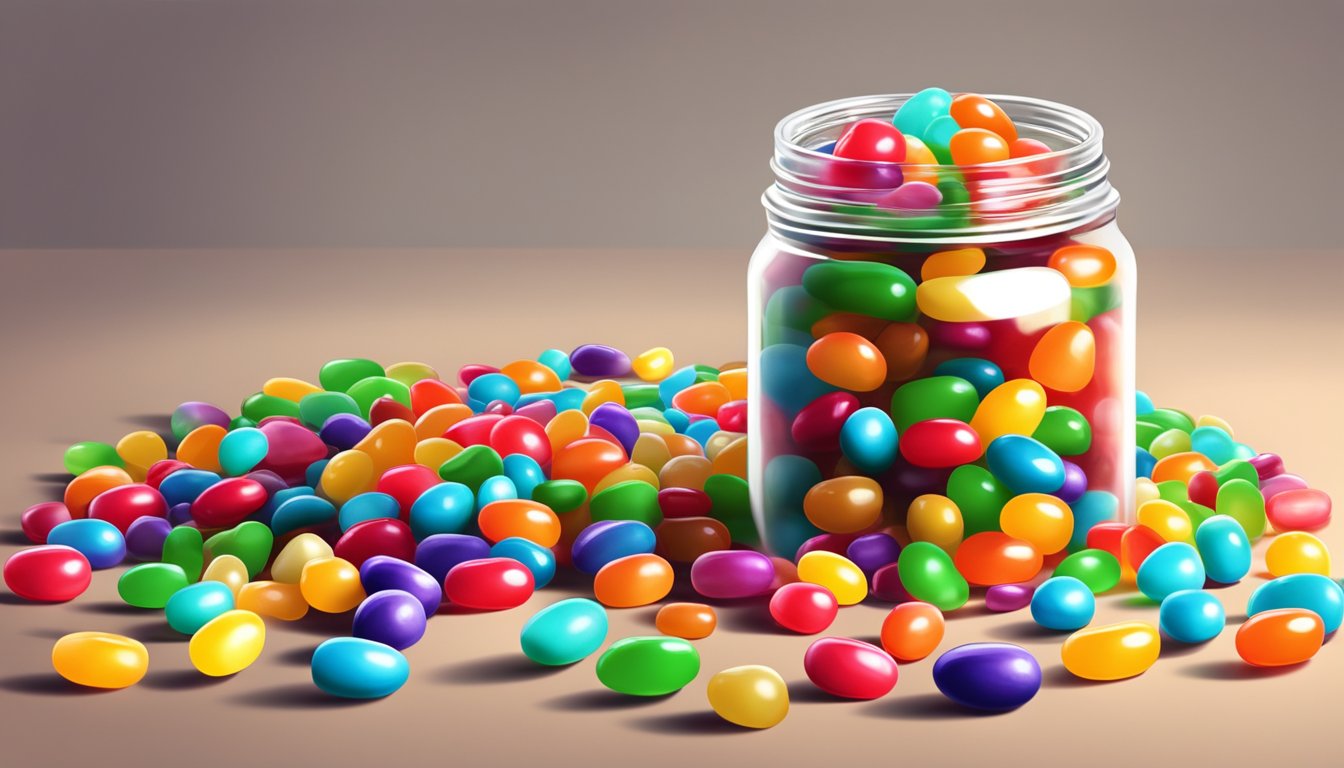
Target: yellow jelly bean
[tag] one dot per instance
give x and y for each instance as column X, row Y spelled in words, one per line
column 735, row 381
column 565, row 428
column 1145, row 490
column 100, row 659
column 1214, row 421
column 228, row 644
column 653, row 364
column 274, row 599
column 626, row 472
column 229, row 571
column 751, row 696
column 846, row 504
column 935, row 519
column 1065, row 357
column 1297, row 552
column 1038, row 294
column 288, row 565
column 605, row 391
column 836, row 573
column 200, row 448
column 1111, row 652
column 718, row 441
column 437, row 420
column 962, row 261
column 331, row 585
column 685, row 471
column 348, row 474
column 1170, row 442
column 920, row 163
column 289, row 389
column 732, row 459
column 409, row 373
column 1167, row 520
column 434, row 451
column 389, row 444
column 1014, row 407
column 654, row 426
column 1039, row 519
column 1085, row 266
column 651, row 451
column 139, row 450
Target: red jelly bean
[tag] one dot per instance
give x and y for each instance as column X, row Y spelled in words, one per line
column 827, row 542
column 291, row 448
column 125, row 504
column 873, row 140
column 431, row 393
column 992, row 557
column 376, row 537
column 803, row 608
column 51, row 573
column 940, row 443
column 39, row 519
column 468, row 373
column 406, row 483
column 733, row 416
column 1301, row 509
column 850, row 669
column 817, row 425
column 474, row 430
column 228, row 502
column 1203, row 488
column 887, row 587
column 387, row 409
column 519, row 434
column 161, row 469
column 1107, row 537
column 1137, row 544
column 683, row 502
column 489, row 584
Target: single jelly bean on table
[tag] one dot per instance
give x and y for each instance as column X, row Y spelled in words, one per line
column 850, row 669
column 391, row 616
column 751, row 696
column 100, row 659
column 355, row 668
column 1192, row 616
column 564, row 632
column 992, row 677
column 912, row 631
column 648, row 666
column 228, row 643
column 1280, row 638
column 689, row 621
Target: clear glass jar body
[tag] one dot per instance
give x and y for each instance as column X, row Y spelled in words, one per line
column 802, row 330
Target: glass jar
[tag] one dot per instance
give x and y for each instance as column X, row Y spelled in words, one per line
column 979, row 341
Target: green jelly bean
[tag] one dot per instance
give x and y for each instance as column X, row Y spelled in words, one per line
column 792, row 308
column 1173, row 491
column 641, row 396
column 1236, row 469
column 561, row 495
column 1197, row 513
column 1096, row 568
column 1145, row 432
column 473, row 466
column 1170, row 418
column 927, row 573
column 149, row 585
column 934, row 397
column 730, row 504
column 261, row 406
column 863, row 287
column 185, row 548
column 366, row 391
column 980, row 497
column 315, row 408
column 249, row 541
column 1169, row 442
column 1241, row 500
column 649, row 414
column 341, row 375
column 1087, row 303
column 705, row 373
column 630, row 500
column 241, row 422
column 648, row 666
column 1064, row 431
column 81, row 457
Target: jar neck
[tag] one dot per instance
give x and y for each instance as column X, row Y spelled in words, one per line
column 1030, row 197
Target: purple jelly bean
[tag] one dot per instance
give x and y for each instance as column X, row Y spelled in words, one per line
column 1267, row 465
column 912, row 196
column 1075, row 483
column 1004, row 598
column 599, row 360
column 1280, row 483
column 608, row 540
column 381, row 572
column 343, row 431
column 145, row 536
column 438, row 553
column 272, row 482
column 914, row 481
column 732, row 573
column 618, row 421
column 886, row 585
column 991, row 677
column 190, row 415
column 178, row 514
column 391, row 617
column 873, row 551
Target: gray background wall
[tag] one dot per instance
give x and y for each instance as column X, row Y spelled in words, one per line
column 158, row 123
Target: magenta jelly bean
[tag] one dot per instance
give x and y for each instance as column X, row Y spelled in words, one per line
column 469, row 373
column 732, row 573
column 1301, row 509
column 850, row 669
column 125, row 504
column 940, row 443
column 228, row 502
column 39, row 519
column 189, row 416
column 886, row 585
column 492, row 584
column 50, row 573
column 1267, row 465
column 962, row 336
column 145, row 537
column 597, row 360
column 542, row 411
column 291, row 448
column 803, row 608
column 1004, row 598
column 826, row 542
column 732, row 416
column 912, row 196
column 817, row 426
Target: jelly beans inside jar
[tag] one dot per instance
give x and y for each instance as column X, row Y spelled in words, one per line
column 942, row 325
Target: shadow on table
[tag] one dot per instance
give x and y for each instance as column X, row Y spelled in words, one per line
column 690, row 723
column 296, row 696
column 601, row 700
column 47, row 684
column 923, row 706
column 504, row 668
column 1228, row 669
column 180, row 680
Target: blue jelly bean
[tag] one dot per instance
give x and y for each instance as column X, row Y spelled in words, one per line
column 442, row 508
column 1310, row 591
column 981, row 373
column 267, row 511
column 437, row 554
column 1172, row 567
column 786, row 379
column 992, row 677
column 868, row 439
column 497, row 488
column 1025, row 464
column 242, row 449
column 1063, row 603
column 618, row 421
column 570, row 399
column 97, row 540
column 355, row 668
column 1091, row 508
column 301, row 512
column 702, row 430
column 674, row 383
column 1191, row 616
column 565, row 632
column 1144, row 463
column 1224, row 548
column 1214, row 443
column 557, row 360
column 1143, row 404
column 383, row 572
column 494, row 386
column 312, row 476
column 343, row 431
column 184, row 485
column 392, row 617
column 536, row 558
column 371, row 505
column 826, row 149
column 608, row 540
column 194, row 606
column 915, row 115
column 678, row 420
column 525, row 473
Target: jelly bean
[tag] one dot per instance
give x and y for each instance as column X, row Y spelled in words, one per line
column 586, row 460
column 1280, row 638
column 935, row 397
column 228, row 502
column 1091, row 511
column 242, row 449
column 100, row 659
column 1293, row 552
column 844, row 504
column 904, row 346
column 1015, row 407
column 288, row 565
column 836, row 573
column 529, row 376
column 990, row 558
column 868, row 439
column 871, row 140
column 184, row 547
column 150, row 585
column 1063, row 603
column 1310, row 591
column 341, row 375
column 1002, row 295
column 125, row 504
column 873, row 551
column 1278, row 484
column 331, row 585
column 751, row 696
column 862, row 287
column 1170, row 568
column 629, row 500
column 886, row 584
column 524, row 519
column 979, row 497
column 494, row 386
column 596, row 360
column 81, row 457
column 848, row 361
column 1025, row 465
column 392, row 617
column 1241, row 500
column 38, row 520
column 689, row 621
column 145, row 538
column 648, row 666
column 632, row 473
column 934, row 519
column 1098, row 569
column 192, row 607
column 1112, row 651
column 538, row 559
column 1180, row 466
column 489, row 584
column 990, row 677
column 1192, row 616
column 1064, row 431
column 1085, row 266
column 1224, row 548
column 611, row 417
column 440, row 553
column 912, row 631
column 609, row 540
column 381, row 573
column 1038, row 518
column 273, row 599
column 1004, row 598
column 928, row 574
column 732, row 574
column 445, row 508
column 940, row 443
column 98, row 540
column 919, row 110
column 565, row 632
column 653, row 364
column 803, row 607
column 228, row 570
column 250, row 542
column 976, row 146
column 1065, row 357
column 355, row 668
column 633, row 580
column 972, row 111
column 50, row 573
column 1137, row 542
column 1167, row 519
column 850, row 669
column 1144, row 463
column 1303, row 509
column 912, row 195
column 473, row 466
column 228, row 643
column 818, row 426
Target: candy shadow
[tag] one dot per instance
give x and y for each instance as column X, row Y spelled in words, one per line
column 296, row 657
column 1171, row 648
column 112, row 608
column 1025, row 632
column 971, row 612
column 805, row 692
column 1236, row 670
column 180, row 680
column 600, row 700
column 52, row 478
column 9, row 598
column 323, row 624
column 154, row 422
column 504, row 668
column 1059, row 677
column 754, row 618
column 47, row 684
column 924, row 706
column 689, row 723
column 570, row 580
column 15, row 538
column 296, row 696
column 46, row 633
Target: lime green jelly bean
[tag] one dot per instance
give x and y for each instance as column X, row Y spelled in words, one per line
column 149, row 585
column 341, row 375
column 81, row 457
column 1096, row 568
column 630, row 500
column 648, row 666
column 1064, row 431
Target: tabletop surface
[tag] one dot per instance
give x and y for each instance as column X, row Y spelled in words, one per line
column 97, row 344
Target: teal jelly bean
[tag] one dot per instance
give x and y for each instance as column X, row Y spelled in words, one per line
column 267, row 511
column 1143, row 404
column 312, row 476
column 261, row 406
column 536, row 558
column 787, row 480
column 938, row 137
column 980, row 497
column 192, row 607
column 355, row 668
column 628, row 500
column 1144, row 463
column 565, row 632
column 1310, row 591
column 497, row 488
column 315, row 408
column 1243, row 452
column 933, row 397
column 674, row 383
column 371, row 505
column 569, row 399
column 185, row 548
column 869, row 440
column 1172, row 567
column 341, row 375
column 242, row 449
column 1191, row 616
column 1064, row 431
column 1089, row 509
column 100, row 542
column 366, row 391
column 302, row 512
column 81, row 457
column 473, row 466
column 448, row 507
column 1214, row 443
column 1063, row 603
column 982, row 374
column 1025, row 465
column 525, row 473
column 678, row 420
column 1241, row 500
column 862, row 287
column 915, row 115
column 490, row 387
column 786, row 380
column 557, row 360
column 648, row 666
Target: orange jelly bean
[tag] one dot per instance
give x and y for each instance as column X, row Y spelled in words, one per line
column 703, row 399
column 846, row 504
column 689, row 621
column 1280, row 638
column 904, row 346
column 632, row 581
column 686, row 472
column 520, row 518
column 200, row 448
column 977, row 146
column 531, row 376
column 735, row 380
column 992, row 557
column 587, row 460
column 605, row 391
column 912, row 631
column 565, row 428
column 972, row 111
column 389, row 444
column 437, row 420
column 271, row 598
column 1181, row 466
column 955, row 263
column 683, row 539
column 82, row 490
column 848, row 361
column 845, row 322
column 1065, row 357
column 683, row 445
column 1084, row 266
column 917, row 153
column 732, row 459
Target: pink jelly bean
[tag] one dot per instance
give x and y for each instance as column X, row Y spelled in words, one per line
column 290, row 449
column 1301, row 509
column 125, row 504
column 732, row 573
column 850, row 669
column 1267, row 465
column 50, row 573
column 827, row 542
column 38, row 520
column 886, row 585
column 817, row 425
column 542, row 411
column 732, row 417
column 912, row 196
column 964, row 336
column 1003, row 598
column 468, row 373
column 1278, row 484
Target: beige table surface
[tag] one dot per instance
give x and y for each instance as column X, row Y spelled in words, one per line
column 96, row 344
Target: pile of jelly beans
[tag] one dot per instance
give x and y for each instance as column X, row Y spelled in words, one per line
column 384, row 493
